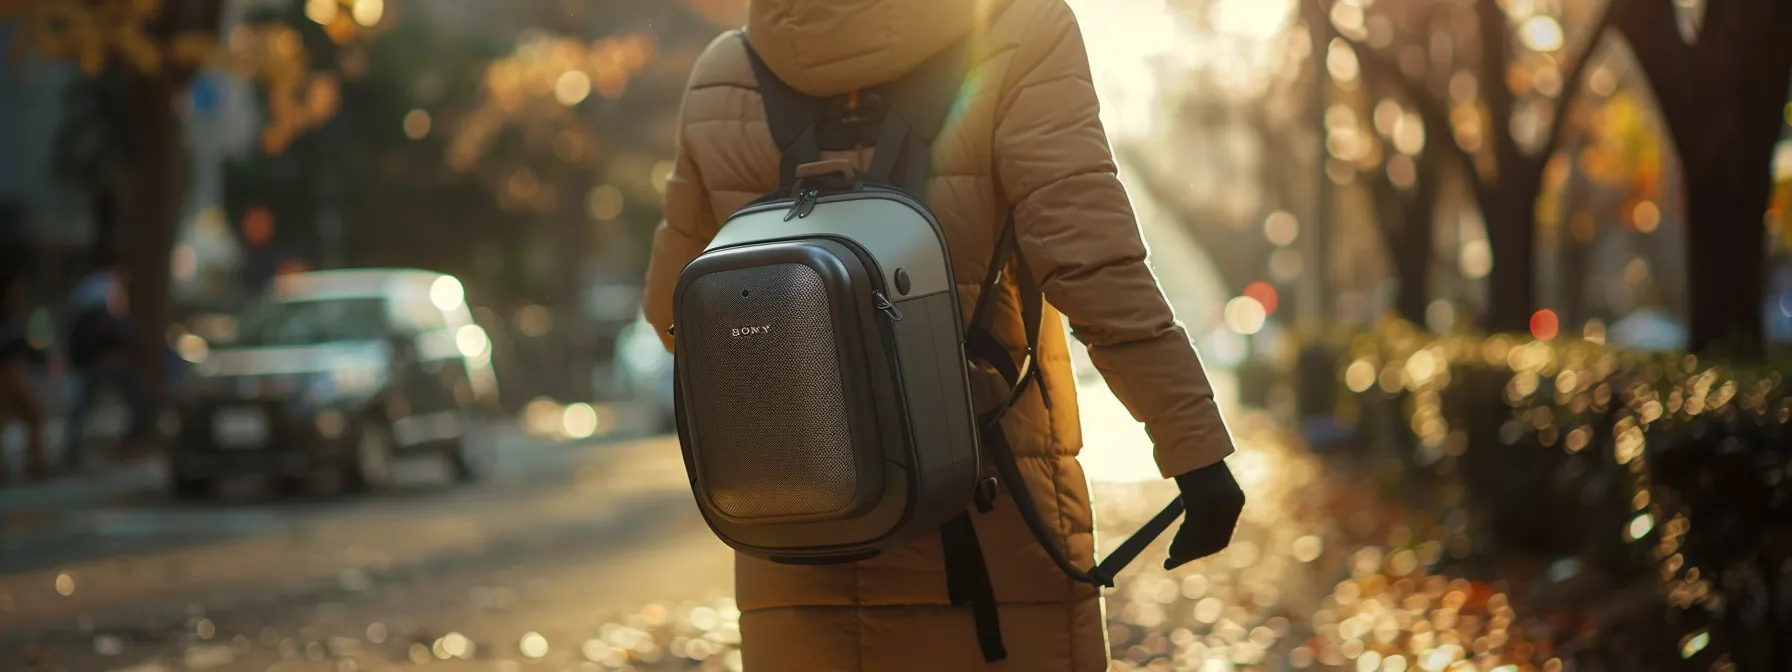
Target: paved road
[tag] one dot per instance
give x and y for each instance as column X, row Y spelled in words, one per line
column 562, row 540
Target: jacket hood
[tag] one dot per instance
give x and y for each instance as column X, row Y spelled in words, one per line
column 829, row 47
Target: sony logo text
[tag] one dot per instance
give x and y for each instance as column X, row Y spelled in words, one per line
column 750, row 331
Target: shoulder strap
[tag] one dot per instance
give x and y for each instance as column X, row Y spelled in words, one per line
column 982, row 345
column 917, row 106
column 790, row 114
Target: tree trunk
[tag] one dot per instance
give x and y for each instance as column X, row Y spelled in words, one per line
column 156, row 171
column 1725, row 200
column 1573, row 273
column 1404, row 220
column 1315, row 284
column 105, row 245
column 1729, row 185
column 1722, row 98
column 1512, row 235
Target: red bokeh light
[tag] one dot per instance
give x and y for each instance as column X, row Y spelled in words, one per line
column 1544, row 325
column 1265, row 294
column 258, row 226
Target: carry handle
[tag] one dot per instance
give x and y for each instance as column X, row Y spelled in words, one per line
column 841, row 167
column 1102, row 575
column 1129, row 550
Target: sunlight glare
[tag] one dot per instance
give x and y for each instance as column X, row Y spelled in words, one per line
column 572, row 87
column 368, row 12
column 1541, row 33
column 1245, row 315
column 1251, row 19
column 321, row 11
column 447, row 293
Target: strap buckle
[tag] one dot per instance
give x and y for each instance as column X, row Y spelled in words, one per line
column 985, row 497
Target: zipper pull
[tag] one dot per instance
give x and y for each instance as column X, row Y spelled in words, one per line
column 882, row 303
column 805, row 202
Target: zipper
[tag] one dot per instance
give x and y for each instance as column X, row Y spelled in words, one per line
column 882, row 303
column 805, row 203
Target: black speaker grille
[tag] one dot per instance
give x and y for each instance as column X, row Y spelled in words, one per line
column 773, row 435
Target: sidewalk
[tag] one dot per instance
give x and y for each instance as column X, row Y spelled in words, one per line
column 634, row 486
column 104, row 480
column 106, row 483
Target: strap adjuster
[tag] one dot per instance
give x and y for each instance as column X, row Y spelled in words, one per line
column 985, row 496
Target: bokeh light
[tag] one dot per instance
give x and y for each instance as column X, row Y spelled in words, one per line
column 1477, row 259
column 604, row 202
column 1541, row 33
column 1281, row 228
column 369, row 12
column 579, row 420
column 1244, row 315
column 447, row 293
column 572, row 87
column 533, row 645
column 1646, row 216
column 192, row 348
column 471, row 341
column 1544, row 325
column 1265, row 295
column 416, row 124
column 322, row 11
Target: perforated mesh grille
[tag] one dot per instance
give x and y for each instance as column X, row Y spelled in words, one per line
column 773, row 435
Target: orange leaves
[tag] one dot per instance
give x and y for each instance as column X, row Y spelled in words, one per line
column 540, row 82
column 298, row 99
column 96, row 34
column 563, row 70
column 611, row 63
column 298, row 106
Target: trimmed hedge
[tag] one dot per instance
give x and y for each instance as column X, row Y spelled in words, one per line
column 1641, row 467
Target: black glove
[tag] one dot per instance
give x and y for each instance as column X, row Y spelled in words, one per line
column 1213, row 501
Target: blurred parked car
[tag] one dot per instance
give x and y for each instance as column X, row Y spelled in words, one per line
column 341, row 371
column 643, row 371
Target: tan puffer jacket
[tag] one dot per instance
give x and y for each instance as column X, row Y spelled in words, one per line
column 1028, row 131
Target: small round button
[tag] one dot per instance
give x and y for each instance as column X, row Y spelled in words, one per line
column 901, row 281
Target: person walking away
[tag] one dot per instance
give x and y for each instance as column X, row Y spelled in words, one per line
column 1023, row 139
column 100, row 344
column 18, row 398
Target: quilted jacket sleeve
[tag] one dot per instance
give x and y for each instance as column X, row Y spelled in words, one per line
column 690, row 225
column 1077, row 228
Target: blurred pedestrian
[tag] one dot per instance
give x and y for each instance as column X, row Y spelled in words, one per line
column 1023, row 139
column 101, row 345
column 18, row 398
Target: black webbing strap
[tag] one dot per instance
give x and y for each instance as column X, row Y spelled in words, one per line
column 894, row 137
column 967, row 583
column 790, row 115
column 918, row 104
column 982, row 345
column 1102, row 574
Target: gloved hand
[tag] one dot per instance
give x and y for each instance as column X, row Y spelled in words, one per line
column 1213, row 501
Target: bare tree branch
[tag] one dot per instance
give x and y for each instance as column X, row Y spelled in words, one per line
column 1571, row 84
column 1653, row 30
column 1496, row 55
column 1432, row 111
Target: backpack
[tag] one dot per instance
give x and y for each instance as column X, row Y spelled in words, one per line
column 821, row 381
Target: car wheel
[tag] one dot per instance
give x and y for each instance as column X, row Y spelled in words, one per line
column 468, row 461
column 289, row 485
column 370, row 465
column 193, row 489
